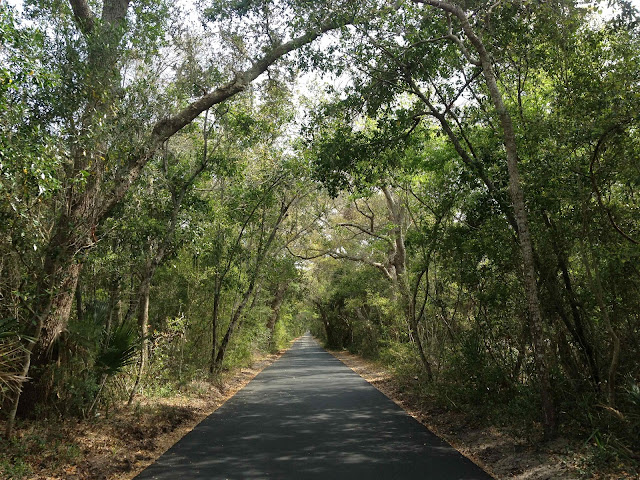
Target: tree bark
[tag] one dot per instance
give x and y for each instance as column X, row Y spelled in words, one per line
column 57, row 318
column 51, row 318
column 79, row 303
column 214, row 324
column 398, row 259
column 235, row 319
column 113, row 314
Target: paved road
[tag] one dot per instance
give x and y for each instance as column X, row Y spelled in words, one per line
column 308, row 416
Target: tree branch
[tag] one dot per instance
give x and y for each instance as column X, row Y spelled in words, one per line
column 364, row 230
column 114, row 11
column 83, row 15
column 594, row 183
column 366, row 261
column 169, row 126
column 450, row 35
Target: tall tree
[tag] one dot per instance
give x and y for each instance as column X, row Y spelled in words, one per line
column 93, row 50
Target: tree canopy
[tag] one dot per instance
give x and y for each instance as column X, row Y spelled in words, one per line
column 449, row 187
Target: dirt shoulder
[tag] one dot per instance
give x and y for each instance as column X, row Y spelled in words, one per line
column 501, row 454
column 120, row 444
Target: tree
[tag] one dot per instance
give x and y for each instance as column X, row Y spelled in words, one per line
column 102, row 159
column 487, row 84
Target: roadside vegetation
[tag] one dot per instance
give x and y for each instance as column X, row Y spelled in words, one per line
column 448, row 188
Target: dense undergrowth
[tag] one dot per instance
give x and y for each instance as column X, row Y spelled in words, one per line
column 116, row 440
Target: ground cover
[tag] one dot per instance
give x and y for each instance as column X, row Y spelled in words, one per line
column 121, row 443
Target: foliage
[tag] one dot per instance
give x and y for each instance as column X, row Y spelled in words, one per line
column 419, row 117
column 120, row 349
column 377, row 215
column 11, row 353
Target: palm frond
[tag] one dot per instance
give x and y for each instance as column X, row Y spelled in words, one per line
column 120, row 351
column 11, row 357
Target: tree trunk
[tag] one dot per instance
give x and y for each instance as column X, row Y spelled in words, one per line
column 11, row 416
column 576, row 330
column 143, row 322
column 55, row 322
column 214, row 326
column 262, row 250
column 79, row 305
column 276, row 305
column 113, row 313
column 328, row 329
column 526, row 244
column 26, row 364
column 412, row 319
column 520, row 213
column 51, row 317
column 596, row 286
column 235, row 319
column 398, row 260
column 423, row 357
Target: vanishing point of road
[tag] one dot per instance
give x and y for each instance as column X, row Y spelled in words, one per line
column 308, row 416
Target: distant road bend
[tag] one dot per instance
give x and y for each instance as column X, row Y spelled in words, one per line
column 308, row 416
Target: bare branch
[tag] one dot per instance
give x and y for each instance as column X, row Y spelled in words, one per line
column 307, row 257
column 364, row 230
column 366, row 261
column 367, row 216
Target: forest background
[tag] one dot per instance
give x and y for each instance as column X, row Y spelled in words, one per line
column 453, row 193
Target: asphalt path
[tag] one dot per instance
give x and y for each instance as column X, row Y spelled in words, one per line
column 308, row 416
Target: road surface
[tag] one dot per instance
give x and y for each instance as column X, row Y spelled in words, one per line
column 308, row 416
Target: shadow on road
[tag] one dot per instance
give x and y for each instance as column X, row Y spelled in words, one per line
column 308, row 416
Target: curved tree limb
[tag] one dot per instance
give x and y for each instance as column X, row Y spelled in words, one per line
column 594, row 183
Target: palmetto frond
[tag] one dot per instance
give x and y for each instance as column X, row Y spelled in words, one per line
column 11, row 357
column 120, row 351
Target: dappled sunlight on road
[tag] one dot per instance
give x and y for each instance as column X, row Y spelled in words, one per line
column 309, row 416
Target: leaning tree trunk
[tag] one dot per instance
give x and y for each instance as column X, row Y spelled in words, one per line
column 398, row 261
column 57, row 318
column 260, row 257
column 596, row 286
column 520, row 213
column 26, row 365
column 526, row 246
column 50, row 321
column 412, row 319
column 235, row 320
